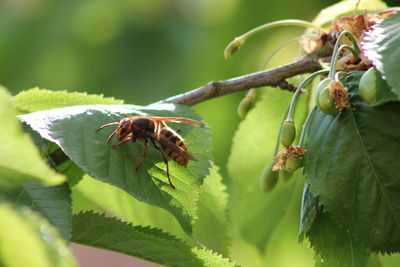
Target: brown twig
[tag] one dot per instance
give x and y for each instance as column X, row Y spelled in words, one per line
column 272, row 77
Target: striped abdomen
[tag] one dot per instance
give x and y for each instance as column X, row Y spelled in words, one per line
column 174, row 147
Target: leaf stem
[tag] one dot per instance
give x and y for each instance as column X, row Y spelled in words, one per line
column 233, row 46
column 303, row 84
column 336, row 50
column 303, row 131
column 279, row 48
column 280, row 131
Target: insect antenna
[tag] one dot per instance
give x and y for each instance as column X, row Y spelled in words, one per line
column 107, row 125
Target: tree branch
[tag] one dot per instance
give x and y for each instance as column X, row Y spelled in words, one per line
column 272, row 77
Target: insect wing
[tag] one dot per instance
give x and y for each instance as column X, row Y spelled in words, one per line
column 174, row 148
column 177, row 119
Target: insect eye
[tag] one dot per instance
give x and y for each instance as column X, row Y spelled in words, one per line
column 124, row 128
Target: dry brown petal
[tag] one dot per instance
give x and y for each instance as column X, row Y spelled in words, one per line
column 282, row 156
column 338, row 93
column 310, row 43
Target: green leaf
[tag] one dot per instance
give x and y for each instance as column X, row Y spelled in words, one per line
column 143, row 242
column 54, row 203
column 36, row 99
column 211, row 227
column 336, row 246
column 28, row 240
column 374, row 261
column 353, row 167
column 56, row 158
column 20, row 161
column 74, row 130
column 381, row 45
column 347, row 7
column 310, row 209
column 40, row 99
column 91, row 194
column 253, row 148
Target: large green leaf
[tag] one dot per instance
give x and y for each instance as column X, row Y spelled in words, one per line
column 74, row 130
column 353, row 167
column 143, row 242
column 336, row 246
column 20, row 161
column 253, row 147
column 28, row 240
column 41, row 99
column 36, row 99
column 91, row 194
column 382, row 46
column 374, row 261
column 53, row 202
column 211, row 227
column 310, row 209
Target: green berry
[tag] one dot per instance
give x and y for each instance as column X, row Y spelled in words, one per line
column 244, row 106
column 268, row 177
column 325, row 102
column 323, row 84
column 367, row 86
column 293, row 162
column 288, row 133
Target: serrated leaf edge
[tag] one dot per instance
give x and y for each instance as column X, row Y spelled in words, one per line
column 163, row 235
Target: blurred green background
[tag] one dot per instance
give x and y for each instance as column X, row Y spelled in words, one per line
column 140, row 51
column 145, row 51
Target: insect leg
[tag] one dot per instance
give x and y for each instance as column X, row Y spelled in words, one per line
column 123, row 141
column 146, row 146
column 164, row 156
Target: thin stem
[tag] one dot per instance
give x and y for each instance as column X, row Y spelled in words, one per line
column 336, row 50
column 280, row 131
column 237, row 42
column 303, row 131
column 352, row 50
column 279, row 48
column 286, row 22
column 296, row 93
column 336, row 56
column 339, row 74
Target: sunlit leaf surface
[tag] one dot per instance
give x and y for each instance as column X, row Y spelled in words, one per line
column 382, row 46
column 353, row 167
column 74, row 130
column 144, row 242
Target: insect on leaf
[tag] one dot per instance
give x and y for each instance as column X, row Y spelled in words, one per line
column 74, row 130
